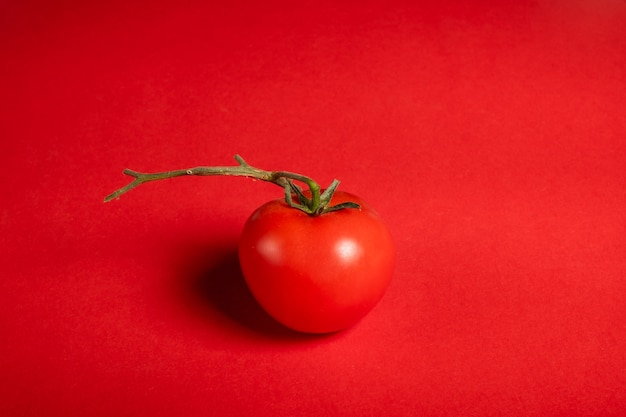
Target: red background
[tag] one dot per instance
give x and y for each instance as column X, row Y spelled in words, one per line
column 489, row 135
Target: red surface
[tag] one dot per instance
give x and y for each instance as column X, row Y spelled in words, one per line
column 490, row 136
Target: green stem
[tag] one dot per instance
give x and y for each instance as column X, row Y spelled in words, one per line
column 317, row 204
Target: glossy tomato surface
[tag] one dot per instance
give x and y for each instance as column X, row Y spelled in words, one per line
column 317, row 274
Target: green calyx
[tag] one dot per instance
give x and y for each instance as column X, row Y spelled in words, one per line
column 316, row 203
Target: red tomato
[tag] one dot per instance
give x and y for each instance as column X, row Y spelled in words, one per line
column 317, row 274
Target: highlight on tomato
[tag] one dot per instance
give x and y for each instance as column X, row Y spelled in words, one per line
column 317, row 260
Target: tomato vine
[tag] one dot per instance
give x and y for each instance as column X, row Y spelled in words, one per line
column 314, row 205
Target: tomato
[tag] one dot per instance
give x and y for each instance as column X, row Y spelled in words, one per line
column 314, row 266
column 317, row 274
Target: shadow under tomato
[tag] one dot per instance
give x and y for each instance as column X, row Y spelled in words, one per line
column 213, row 281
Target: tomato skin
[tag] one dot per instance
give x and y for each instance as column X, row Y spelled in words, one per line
column 317, row 274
